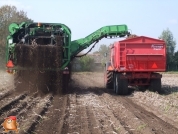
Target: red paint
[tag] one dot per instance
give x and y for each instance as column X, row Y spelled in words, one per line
column 139, row 54
column 10, row 64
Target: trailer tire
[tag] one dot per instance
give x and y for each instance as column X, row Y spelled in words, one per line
column 124, row 87
column 121, row 85
column 155, row 85
column 114, row 82
column 109, row 79
column 118, row 84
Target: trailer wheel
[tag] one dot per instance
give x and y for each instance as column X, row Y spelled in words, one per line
column 155, row 85
column 114, row 82
column 109, row 79
column 118, row 84
column 124, row 86
column 121, row 85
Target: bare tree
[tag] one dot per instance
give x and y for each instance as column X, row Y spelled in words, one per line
column 8, row 15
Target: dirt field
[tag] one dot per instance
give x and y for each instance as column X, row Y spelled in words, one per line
column 87, row 107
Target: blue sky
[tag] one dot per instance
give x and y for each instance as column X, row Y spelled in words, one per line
column 143, row 17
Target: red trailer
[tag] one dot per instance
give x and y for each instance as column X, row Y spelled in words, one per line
column 135, row 62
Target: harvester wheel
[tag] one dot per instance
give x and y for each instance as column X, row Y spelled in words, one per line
column 109, row 79
column 155, row 85
column 121, row 85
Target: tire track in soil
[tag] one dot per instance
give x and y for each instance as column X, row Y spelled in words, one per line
column 155, row 123
column 80, row 118
column 87, row 120
column 5, row 93
column 11, row 102
column 138, row 125
column 24, row 112
column 94, row 118
column 54, row 118
column 22, row 107
column 113, row 124
column 70, row 124
column 145, row 117
column 30, row 116
column 121, row 114
column 15, row 109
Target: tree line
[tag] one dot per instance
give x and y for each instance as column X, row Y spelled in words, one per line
column 8, row 15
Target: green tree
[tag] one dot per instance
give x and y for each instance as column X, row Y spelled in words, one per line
column 104, row 49
column 167, row 36
column 86, row 63
column 9, row 14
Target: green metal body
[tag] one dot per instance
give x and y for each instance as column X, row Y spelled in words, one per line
column 22, row 33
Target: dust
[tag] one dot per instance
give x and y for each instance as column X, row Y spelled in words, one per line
column 6, row 80
column 37, row 68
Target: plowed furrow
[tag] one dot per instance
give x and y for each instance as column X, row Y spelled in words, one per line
column 82, row 119
column 5, row 93
column 116, row 125
column 22, row 104
column 35, row 115
column 152, row 121
column 126, row 117
column 89, row 114
column 54, row 117
column 7, row 106
column 70, row 124
column 92, row 122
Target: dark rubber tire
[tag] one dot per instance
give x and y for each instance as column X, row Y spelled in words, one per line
column 121, row 85
column 114, row 82
column 155, row 85
column 109, row 79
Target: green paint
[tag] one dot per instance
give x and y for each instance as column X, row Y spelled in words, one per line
column 71, row 48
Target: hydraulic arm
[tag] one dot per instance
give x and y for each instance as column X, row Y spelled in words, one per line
column 112, row 31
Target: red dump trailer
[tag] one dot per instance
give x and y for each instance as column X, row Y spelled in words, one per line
column 135, row 62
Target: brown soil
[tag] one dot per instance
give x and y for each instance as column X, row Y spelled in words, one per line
column 88, row 107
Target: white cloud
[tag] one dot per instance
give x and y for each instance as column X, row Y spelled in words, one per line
column 173, row 21
column 16, row 3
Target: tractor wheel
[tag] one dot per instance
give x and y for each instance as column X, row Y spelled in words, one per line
column 109, row 79
column 121, row 85
column 155, row 85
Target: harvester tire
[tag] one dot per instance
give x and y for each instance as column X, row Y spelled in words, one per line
column 121, row 85
column 155, row 85
column 109, row 79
